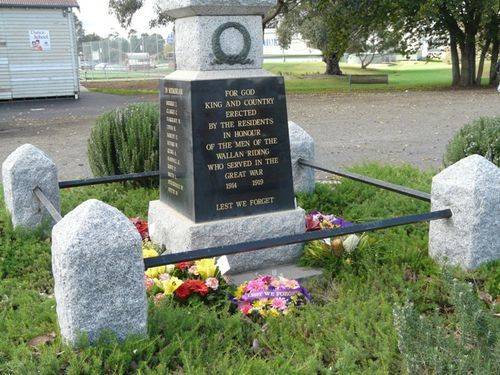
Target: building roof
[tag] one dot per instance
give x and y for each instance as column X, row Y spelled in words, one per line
column 39, row 3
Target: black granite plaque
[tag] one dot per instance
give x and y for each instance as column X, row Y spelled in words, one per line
column 225, row 148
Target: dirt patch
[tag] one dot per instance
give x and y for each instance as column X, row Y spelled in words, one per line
column 350, row 128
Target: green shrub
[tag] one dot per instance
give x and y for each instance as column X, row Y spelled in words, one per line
column 465, row 342
column 125, row 141
column 480, row 137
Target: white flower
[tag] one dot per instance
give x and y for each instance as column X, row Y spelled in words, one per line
column 212, row 283
column 170, row 268
column 351, row 243
column 193, row 270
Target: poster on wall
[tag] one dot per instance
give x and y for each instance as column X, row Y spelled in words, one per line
column 40, row 40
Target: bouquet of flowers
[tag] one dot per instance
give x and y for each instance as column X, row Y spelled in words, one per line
column 317, row 221
column 200, row 280
column 269, row 296
column 320, row 250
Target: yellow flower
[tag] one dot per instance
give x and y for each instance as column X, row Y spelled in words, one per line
column 148, row 251
column 239, row 292
column 263, row 313
column 274, row 313
column 260, row 303
column 171, row 285
column 206, row 268
column 154, row 272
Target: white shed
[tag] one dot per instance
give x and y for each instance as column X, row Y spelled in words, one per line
column 38, row 49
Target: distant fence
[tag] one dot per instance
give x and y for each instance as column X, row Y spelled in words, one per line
column 144, row 56
column 123, row 73
column 280, row 241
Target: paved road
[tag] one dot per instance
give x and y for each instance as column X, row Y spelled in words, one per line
column 396, row 127
column 60, row 127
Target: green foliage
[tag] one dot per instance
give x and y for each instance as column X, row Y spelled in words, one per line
column 467, row 343
column 480, row 137
column 334, row 27
column 348, row 329
column 125, row 141
column 306, row 78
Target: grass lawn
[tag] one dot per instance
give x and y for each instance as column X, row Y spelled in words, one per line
column 307, row 77
column 348, row 329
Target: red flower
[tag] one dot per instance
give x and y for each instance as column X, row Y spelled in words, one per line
column 191, row 286
column 183, row 265
column 142, row 227
column 199, row 286
column 184, row 291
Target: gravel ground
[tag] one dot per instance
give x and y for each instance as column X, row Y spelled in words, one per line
column 394, row 127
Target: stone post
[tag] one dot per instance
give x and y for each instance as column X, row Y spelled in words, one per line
column 471, row 189
column 24, row 170
column 98, row 274
column 301, row 147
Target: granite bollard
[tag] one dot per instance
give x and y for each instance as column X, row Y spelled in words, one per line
column 301, row 147
column 471, row 189
column 24, row 170
column 98, row 274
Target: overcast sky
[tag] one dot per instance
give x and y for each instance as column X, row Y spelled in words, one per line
column 95, row 17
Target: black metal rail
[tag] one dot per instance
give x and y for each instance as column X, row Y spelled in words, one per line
column 370, row 181
column 107, row 179
column 336, row 171
column 285, row 240
column 293, row 239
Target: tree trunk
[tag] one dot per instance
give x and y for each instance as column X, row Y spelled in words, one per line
column 332, row 64
column 455, row 62
column 468, row 59
column 494, row 79
column 480, row 68
column 364, row 63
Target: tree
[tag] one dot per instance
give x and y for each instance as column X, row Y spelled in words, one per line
column 366, row 46
column 467, row 23
column 81, row 36
column 93, row 37
column 80, row 33
column 282, row 7
column 124, row 11
column 334, row 26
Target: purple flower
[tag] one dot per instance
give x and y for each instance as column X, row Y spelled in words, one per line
column 338, row 221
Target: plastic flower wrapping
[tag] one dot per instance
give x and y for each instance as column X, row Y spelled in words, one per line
column 200, row 280
column 269, row 296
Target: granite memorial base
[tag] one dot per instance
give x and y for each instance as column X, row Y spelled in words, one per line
column 176, row 233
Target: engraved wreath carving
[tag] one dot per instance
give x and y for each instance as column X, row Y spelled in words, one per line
column 223, row 58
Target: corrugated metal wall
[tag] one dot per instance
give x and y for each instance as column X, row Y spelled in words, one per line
column 37, row 73
column 5, row 89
